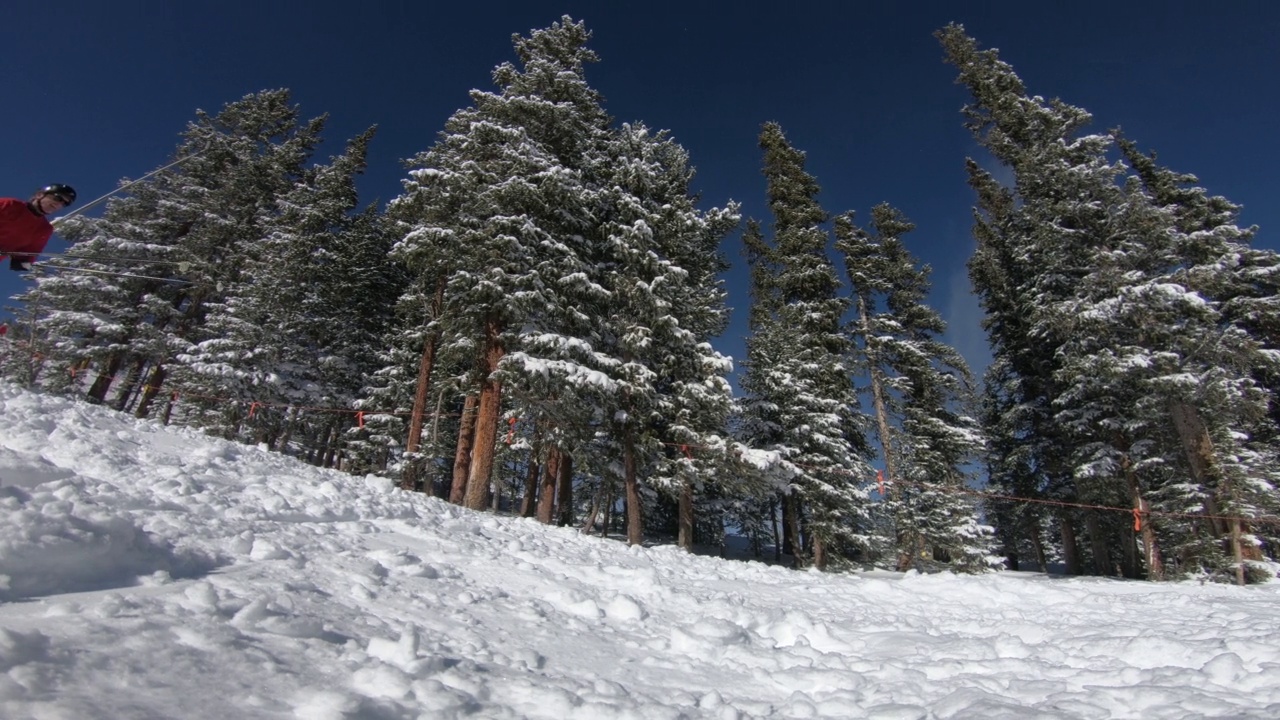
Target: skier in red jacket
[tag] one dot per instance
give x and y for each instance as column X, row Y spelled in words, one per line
column 24, row 229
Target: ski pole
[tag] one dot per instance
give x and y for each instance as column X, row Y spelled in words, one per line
column 175, row 281
column 127, row 185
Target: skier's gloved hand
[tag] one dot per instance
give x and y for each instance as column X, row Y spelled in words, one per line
column 19, row 264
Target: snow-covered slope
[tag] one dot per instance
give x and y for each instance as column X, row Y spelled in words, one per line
column 150, row 572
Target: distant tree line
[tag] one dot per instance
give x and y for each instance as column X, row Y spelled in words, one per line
column 528, row 327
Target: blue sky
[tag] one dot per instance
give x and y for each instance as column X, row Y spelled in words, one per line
column 99, row 91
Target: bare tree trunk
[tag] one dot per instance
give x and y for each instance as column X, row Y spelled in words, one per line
column 791, row 522
column 36, row 359
column 168, row 408
column 1037, row 542
column 788, row 548
column 882, row 413
column 487, row 411
column 98, row 391
column 906, row 558
column 1130, row 566
column 608, row 506
column 36, row 367
column 421, row 390
column 1198, row 447
column 685, row 536
column 773, row 529
column 125, row 394
column 152, row 389
column 1097, row 545
column 597, row 501
column 1237, row 551
column 1011, row 559
column 322, row 447
column 1009, row 538
column 1218, row 526
column 819, row 553
column 462, row 455
column 310, row 446
column 290, row 423
column 530, row 502
column 1196, row 443
column 547, row 495
column 905, row 537
column 635, row 519
column 564, row 500
column 1150, row 550
column 331, row 453
column 1070, row 552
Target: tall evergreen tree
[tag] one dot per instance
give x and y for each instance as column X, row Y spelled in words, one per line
column 499, row 209
column 797, row 367
column 919, row 394
column 296, row 330
column 184, row 236
column 1104, row 262
column 1016, row 413
column 660, row 268
column 1066, row 220
column 576, row 269
column 1215, row 372
column 1215, row 258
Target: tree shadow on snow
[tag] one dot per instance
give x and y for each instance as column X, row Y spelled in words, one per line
column 42, row 555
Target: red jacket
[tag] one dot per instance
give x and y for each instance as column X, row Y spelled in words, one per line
column 23, row 234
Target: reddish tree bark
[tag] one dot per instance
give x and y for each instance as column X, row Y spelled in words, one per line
column 684, row 537
column 488, row 409
column 564, row 492
column 462, row 455
column 635, row 518
column 421, row 390
column 547, row 495
column 529, row 504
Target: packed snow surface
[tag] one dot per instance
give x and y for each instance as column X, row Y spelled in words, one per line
column 152, row 572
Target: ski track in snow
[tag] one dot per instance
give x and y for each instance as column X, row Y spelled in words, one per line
column 152, row 572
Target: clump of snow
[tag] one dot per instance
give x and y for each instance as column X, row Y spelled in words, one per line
column 154, row 572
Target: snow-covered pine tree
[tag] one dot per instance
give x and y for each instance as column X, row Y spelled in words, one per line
column 755, row 414
column 251, row 153
column 1102, row 264
column 430, row 360
column 296, row 334
column 798, row 371
column 1066, row 222
column 181, row 237
column 358, row 314
column 258, row 349
column 660, row 265
column 1016, row 411
column 1208, row 366
column 920, row 393
column 503, row 192
column 1218, row 261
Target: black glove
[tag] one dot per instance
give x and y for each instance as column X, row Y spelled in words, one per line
column 20, row 264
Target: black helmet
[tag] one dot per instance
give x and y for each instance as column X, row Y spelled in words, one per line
column 66, row 192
